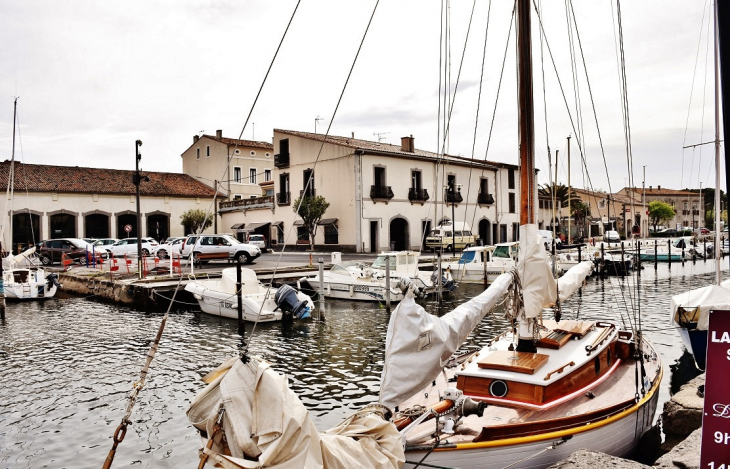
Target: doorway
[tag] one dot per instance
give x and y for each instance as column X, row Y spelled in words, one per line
column 373, row 236
column 399, row 234
column 485, row 231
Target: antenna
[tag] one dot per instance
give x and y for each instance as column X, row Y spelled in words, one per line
column 317, row 119
column 380, row 135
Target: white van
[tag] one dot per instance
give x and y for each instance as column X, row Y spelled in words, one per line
column 449, row 233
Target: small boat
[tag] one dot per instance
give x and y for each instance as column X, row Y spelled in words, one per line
column 259, row 303
column 404, row 266
column 613, row 263
column 22, row 280
column 569, row 256
column 353, row 281
column 477, row 261
column 662, row 254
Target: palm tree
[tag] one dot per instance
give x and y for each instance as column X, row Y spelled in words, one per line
column 560, row 192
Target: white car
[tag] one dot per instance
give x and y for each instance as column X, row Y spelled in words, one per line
column 218, row 247
column 128, row 246
column 257, row 240
column 171, row 246
column 611, row 236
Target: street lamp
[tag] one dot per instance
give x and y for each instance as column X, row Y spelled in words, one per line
column 136, row 180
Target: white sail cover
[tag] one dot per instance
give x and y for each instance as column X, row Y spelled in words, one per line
column 266, row 425
column 706, row 298
column 539, row 288
column 573, row 279
column 418, row 344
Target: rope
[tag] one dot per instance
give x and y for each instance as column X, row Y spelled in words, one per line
column 552, row 446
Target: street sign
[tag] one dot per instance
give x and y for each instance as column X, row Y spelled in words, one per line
column 128, row 228
column 715, row 452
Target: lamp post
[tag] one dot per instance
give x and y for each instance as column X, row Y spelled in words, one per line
column 136, row 180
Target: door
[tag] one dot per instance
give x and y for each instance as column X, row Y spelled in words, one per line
column 373, row 236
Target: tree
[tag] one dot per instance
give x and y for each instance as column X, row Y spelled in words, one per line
column 581, row 211
column 560, row 192
column 311, row 210
column 195, row 220
column 660, row 212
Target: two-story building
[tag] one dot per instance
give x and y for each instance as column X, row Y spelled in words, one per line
column 688, row 205
column 75, row 202
column 381, row 196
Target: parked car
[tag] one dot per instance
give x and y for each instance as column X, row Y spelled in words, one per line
column 128, row 246
column 170, row 246
column 611, row 236
column 51, row 251
column 702, row 231
column 257, row 240
column 226, row 246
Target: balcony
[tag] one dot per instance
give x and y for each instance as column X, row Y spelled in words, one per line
column 308, row 193
column 242, row 205
column 453, row 197
column 283, row 198
column 417, row 195
column 485, row 199
column 383, row 193
column 281, row 160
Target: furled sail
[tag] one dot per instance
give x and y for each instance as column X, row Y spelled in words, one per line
column 418, row 344
column 538, row 284
column 573, row 279
column 706, row 298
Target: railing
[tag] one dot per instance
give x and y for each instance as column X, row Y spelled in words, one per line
column 248, row 204
column 485, row 199
column 453, row 197
column 281, row 160
column 283, row 198
column 381, row 192
column 417, row 195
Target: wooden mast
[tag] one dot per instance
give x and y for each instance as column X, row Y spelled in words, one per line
column 526, row 114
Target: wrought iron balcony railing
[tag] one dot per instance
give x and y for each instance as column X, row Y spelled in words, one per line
column 417, row 195
column 453, row 197
column 283, row 198
column 381, row 192
column 485, row 199
column 281, row 160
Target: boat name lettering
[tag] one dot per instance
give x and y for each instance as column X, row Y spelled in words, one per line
column 722, row 410
column 725, row 339
column 361, row 288
column 225, row 304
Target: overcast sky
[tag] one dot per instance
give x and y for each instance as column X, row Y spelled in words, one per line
column 94, row 76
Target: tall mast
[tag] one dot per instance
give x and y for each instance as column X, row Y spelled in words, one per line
column 717, row 250
column 526, row 114
column 568, row 190
column 12, row 176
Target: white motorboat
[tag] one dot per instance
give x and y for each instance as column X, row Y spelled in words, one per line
column 404, row 267
column 353, row 281
column 259, row 303
column 478, row 261
column 22, row 280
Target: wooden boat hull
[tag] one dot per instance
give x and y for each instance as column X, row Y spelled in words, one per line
column 617, row 435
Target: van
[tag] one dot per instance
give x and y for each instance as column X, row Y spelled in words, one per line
column 448, row 233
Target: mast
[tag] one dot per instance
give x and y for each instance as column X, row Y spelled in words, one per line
column 12, row 175
column 569, row 190
column 722, row 16
column 526, row 114
column 717, row 153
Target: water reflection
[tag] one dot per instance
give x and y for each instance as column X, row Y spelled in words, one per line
column 68, row 365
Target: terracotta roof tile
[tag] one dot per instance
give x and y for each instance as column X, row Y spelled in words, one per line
column 74, row 179
column 240, row 143
column 368, row 145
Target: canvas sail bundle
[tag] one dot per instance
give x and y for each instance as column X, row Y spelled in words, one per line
column 538, row 284
column 266, row 425
column 714, row 297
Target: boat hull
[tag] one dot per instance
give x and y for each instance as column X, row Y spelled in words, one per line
column 696, row 344
column 345, row 291
column 25, row 284
column 618, row 435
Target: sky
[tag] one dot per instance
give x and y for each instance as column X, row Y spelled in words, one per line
column 95, row 76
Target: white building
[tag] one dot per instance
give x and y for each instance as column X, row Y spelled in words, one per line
column 381, row 196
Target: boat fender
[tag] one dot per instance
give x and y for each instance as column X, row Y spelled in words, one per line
column 52, row 279
column 287, row 300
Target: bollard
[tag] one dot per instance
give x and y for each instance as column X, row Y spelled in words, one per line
column 438, row 277
column 2, row 290
column 704, row 247
column 387, row 282
column 239, row 306
column 623, row 262
column 580, row 255
column 669, row 247
column 656, row 255
column 321, row 283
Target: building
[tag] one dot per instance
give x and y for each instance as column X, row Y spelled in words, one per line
column 381, row 196
column 688, row 205
column 48, row 202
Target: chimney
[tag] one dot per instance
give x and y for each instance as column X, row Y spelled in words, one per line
column 406, row 144
column 353, row 135
column 658, row 188
column 219, row 133
column 195, row 138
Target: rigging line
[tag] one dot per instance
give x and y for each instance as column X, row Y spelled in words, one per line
column 438, row 116
column 565, row 100
column 544, row 99
column 310, row 181
column 476, row 117
column 691, row 91
column 573, row 72
column 496, row 100
column 625, row 96
column 593, row 106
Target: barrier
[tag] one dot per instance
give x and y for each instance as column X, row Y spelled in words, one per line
column 66, row 261
column 175, row 264
column 127, row 262
column 114, row 267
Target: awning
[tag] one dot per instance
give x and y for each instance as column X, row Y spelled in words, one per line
column 299, row 223
column 277, row 223
column 238, row 226
column 253, row 226
column 327, row 221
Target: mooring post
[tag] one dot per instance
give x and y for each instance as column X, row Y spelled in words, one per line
column 484, row 263
column 669, row 247
column 704, row 248
column 239, row 306
column 438, row 277
column 623, row 262
column 2, row 289
column 387, row 282
column 656, row 255
column 321, row 283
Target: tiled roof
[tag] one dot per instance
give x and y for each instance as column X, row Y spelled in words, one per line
column 655, row 191
column 240, row 143
column 74, row 179
column 379, row 147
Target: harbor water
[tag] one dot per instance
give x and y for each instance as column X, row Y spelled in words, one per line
column 68, row 365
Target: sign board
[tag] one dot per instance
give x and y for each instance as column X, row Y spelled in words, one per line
column 715, row 453
column 604, row 220
column 128, row 228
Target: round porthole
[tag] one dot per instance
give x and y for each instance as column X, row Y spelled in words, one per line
column 498, row 388
column 268, row 155
column 253, row 153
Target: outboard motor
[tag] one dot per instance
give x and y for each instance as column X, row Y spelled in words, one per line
column 292, row 307
column 406, row 282
column 52, row 279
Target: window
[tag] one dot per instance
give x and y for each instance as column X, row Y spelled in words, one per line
column 268, row 155
column 330, row 234
column 284, row 146
column 685, row 206
column 510, row 178
column 512, row 205
column 302, row 234
column 236, row 196
column 237, row 174
column 503, row 232
column 379, row 176
column 515, row 231
column 284, row 183
column 416, row 180
column 197, row 153
column 308, row 182
column 451, row 181
column 207, row 151
column 253, row 153
column 267, row 175
column 484, row 186
column 269, row 192
column 252, row 175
